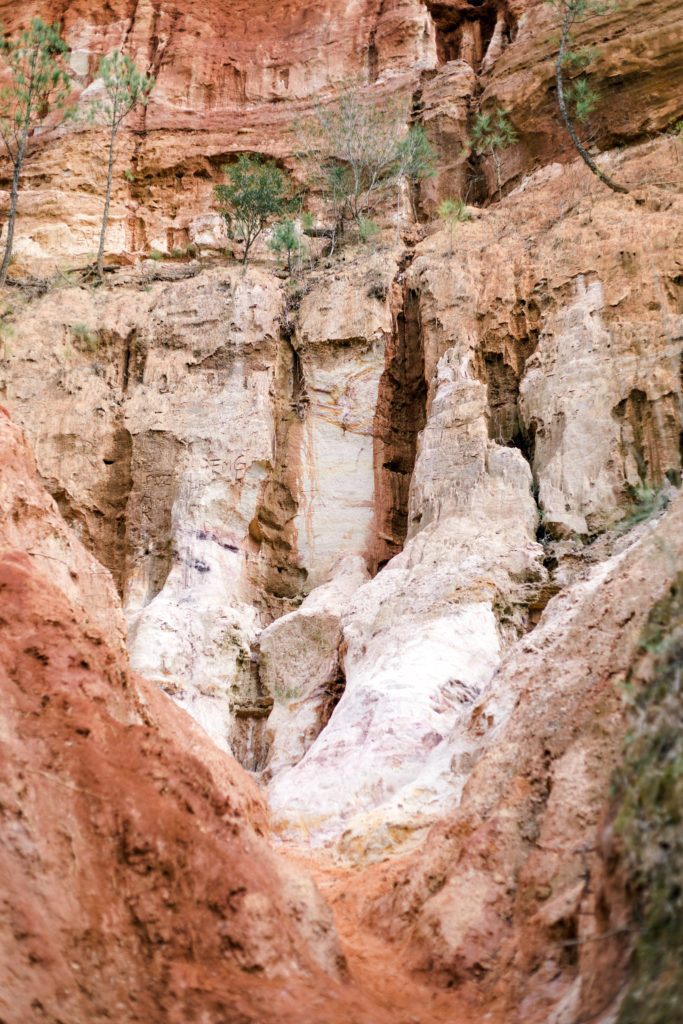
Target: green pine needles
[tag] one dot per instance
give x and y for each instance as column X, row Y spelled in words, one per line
column 452, row 212
column 124, row 89
column 491, row 134
column 578, row 97
column 36, row 62
column 286, row 239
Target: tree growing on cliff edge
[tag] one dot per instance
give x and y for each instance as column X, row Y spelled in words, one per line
column 124, row 89
column 491, row 134
column 37, row 83
column 452, row 212
column 286, row 239
column 355, row 152
column 415, row 161
column 579, row 95
column 257, row 192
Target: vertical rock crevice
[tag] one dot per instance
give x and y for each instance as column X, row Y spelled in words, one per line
column 650, row 432
column 373, row 55
column 101, row 523
column 276, row 578
column 499, row 363
column 399, row 417
column 149, row 515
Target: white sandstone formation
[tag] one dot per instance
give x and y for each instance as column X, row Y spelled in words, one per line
column 300, row 666
column 194, row 636
column 421, row 640
column 344, row 324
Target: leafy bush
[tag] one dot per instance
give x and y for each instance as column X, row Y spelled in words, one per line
column 257, row 192
column 84, row 338
column 367, row 228
column 645, row 501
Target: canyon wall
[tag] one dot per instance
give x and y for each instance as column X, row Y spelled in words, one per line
column 234, row 78
column 137, row 876
column 390, row 530
column 226, row 454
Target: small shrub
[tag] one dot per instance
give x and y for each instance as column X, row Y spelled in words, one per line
column 283, row 694
column 154, row 254
column 452, row 212
column 416, row 160
column 308, row 220
column 491, row 134
column 645, row 502
column 368, row 229
column 378, row 289
column 286, row 239
column 84, row 338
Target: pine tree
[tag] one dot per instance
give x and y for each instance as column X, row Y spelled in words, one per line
column 125, row 88
column 451, row 212
column 491, row 134
column 38, row 85
column 581, row 97
column 286, row 239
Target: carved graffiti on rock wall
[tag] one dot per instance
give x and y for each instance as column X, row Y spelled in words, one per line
column 234, row 471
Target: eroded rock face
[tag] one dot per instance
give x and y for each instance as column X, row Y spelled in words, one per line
column 236, row 451
column 215, row 417
column 626, row 426
column 300, row 666
column 135, row 871
column 577, row 328
column 234, row 80
column 539, row 368
column 421, row 640
column 263, row 443
column 344, row 325
column 515, row 885
column 30, row 521
column 431, row 417
column 224, row 468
